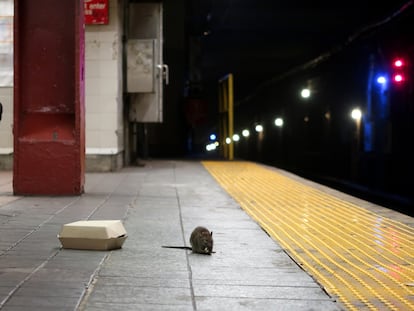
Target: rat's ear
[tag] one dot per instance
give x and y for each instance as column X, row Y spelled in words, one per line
column 211, row 233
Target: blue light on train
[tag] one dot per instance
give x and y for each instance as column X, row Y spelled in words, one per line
column 381, row 80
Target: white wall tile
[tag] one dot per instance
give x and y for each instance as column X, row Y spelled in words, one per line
column 109, row 50
column 108, row 121
column 109, row 139
column 109, row 68
column 109, row 86
column 92, row 68
column 93, row 87
column 93, row 139
column 93, row 48
column 93, row 123
column 6, row 123
column 108, row 104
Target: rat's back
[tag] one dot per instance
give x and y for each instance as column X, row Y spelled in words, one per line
column 201, row 240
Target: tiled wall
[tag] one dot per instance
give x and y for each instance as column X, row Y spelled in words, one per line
column 103, row 54
column 6, row 136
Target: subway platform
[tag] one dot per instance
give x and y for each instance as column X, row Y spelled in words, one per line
column 271, row 250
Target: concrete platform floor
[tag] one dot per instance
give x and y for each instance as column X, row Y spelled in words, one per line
column 160, row 204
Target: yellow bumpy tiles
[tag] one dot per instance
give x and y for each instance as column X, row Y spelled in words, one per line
column 364, row 260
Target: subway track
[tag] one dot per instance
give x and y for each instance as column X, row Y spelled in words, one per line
column 362, row 258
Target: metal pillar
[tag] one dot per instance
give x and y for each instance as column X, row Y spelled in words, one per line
column 49, row 129
column 226, row 116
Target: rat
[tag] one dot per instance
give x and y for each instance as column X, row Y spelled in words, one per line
column 201, row 241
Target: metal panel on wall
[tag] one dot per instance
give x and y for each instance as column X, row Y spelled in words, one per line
column 146, row 71
column 140, row 66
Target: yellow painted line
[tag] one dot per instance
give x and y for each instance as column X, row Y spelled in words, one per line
column 363, row 259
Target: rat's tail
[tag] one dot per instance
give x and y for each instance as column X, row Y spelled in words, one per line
column 180, row 247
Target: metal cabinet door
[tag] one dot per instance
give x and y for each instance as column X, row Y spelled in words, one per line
column 146, row 71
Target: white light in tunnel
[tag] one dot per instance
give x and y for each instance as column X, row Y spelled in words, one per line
column 305, row 93
column 211, row 147
column 259, row 128
column 279, row 122
column 356, row 114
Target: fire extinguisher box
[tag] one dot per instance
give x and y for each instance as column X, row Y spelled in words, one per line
column 49, row 127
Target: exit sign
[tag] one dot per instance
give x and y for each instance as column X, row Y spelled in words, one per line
column 96, row 12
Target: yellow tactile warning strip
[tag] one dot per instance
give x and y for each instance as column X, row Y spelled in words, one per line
column 364, row 260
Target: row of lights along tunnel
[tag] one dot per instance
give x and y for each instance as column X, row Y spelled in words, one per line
column 356, row 114
column 397, row 75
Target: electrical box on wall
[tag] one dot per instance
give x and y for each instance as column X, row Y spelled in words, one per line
column 140, row 66
column 146, row 72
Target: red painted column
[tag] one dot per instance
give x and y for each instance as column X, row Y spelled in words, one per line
column 49, row 114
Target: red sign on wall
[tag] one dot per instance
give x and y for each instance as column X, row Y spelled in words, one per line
column 96, row 12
